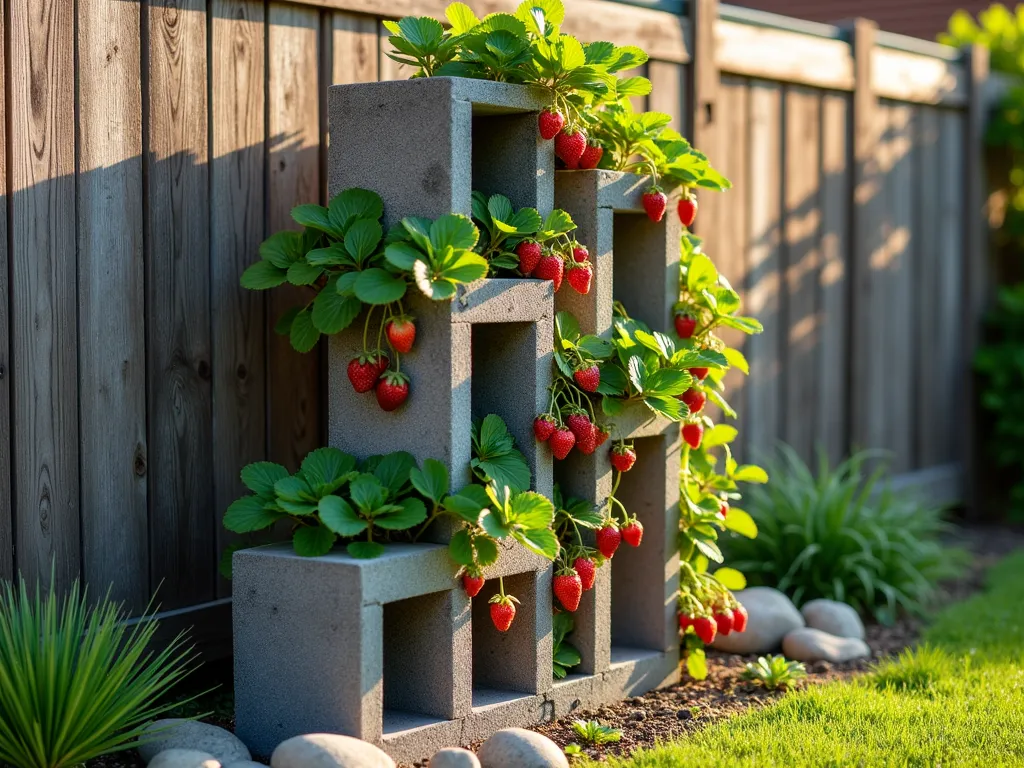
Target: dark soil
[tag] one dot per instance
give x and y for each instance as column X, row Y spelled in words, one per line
column 689, row 705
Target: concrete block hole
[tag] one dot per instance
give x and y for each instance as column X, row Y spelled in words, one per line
column 644, row 277
column 508, row 159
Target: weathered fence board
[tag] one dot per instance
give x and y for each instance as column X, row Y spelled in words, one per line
column 237, row 197
column 111, row 300
column 44, row 327
column 6, row 507
column 182, row 528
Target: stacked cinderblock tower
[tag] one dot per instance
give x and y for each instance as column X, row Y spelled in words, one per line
column 391, row 650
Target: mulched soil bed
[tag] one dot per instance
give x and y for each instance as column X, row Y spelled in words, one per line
column 691, row 705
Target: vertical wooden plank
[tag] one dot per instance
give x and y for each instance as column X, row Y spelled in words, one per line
column 898, row 308
column 237, row 220
column 953, row 360
column 802, row 216
column 831, row 420
column 864, row 235
column 111, row 301
column 182, row 517
column 294, row 107
column 388, row 69
column 763, row 424
column 668, row 86
column 6, row 510
column 704, row 76
column 929, row 424
column 355, row 49
column 44, row 296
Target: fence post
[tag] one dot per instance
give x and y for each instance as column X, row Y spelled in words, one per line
column 978, row 282
column 864, row 147
column 704, row 77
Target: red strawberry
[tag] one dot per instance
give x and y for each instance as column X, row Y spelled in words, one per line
column 579, row 425
column 382, row 364
column 588, row 377
column 587, row 571
column 654, row 203
column 723, row 511
column 601, row 435
column 503, row 610
column 401, row 333
column 685, row 622
column 694, row 399
column 568, row 589
column 739, row 619
column 587, row 442
column 552, row 268
column 472, row 584
column 561, row 442
column 724, row 621
column 529, row 254
column 685, row 326
column 570, row 147
column 580, row 253
column 693, row 433
column 544, row 426
column 706, row 629
column 633, row 533
column 623, row 457
column 698, row 373
column 363, row 372
column 550, row 122
column 579, row 278
column 591, row 157
column 392, row 390
column 608, row 539
column 687, row 209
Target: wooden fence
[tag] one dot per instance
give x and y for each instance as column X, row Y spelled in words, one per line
column 150, row 146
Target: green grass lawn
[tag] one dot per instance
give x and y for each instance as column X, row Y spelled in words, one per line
column 957, row 700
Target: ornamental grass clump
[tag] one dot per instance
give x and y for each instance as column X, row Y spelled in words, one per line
column 844, row 534
column 76, row 682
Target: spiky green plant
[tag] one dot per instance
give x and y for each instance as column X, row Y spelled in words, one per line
column 76, row 681
column 774, row 672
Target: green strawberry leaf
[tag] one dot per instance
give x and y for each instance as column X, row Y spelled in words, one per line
column 250, row 513
column 431, row 481
column 493, row 526
column 263, row 275
column 315, row 217
column 327, row 469
column 367, row 494
column 486, row 551
column 531, row 510
column 332, row 312
column 403, row 255
column 354, row 204
column 338, row 515
column 362, row 239
column 411, row 512
column 313, row 541
column 739, row 521
column 376, row 286
column 333, row 255
column 394, row 471
column 452, row 231
column 304, row 334
column 509, row 469
column 539, row 540
column 365, row 550
column 282, row 248
column 460, row 548
column 261, row 476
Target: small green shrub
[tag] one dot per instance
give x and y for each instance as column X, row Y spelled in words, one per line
column 593, row 732
column 75, row 681
column 843, row 535
column 775, row 672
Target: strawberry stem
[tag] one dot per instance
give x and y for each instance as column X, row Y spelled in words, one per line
column 366, row 328
column 501, row 586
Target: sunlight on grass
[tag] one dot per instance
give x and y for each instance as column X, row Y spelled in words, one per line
column 956, row 700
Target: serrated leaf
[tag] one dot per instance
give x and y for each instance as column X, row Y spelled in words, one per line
column 411, row 513
column 394, row 471
column 283, row 326
column 367, row 493
column 709, row 549
column 313, row 541
column 303, row 273
column 595, row 347
column 402, row 255
column 263, row 275
column 737, row 359
column 531, row 510
column 666, row 382
column 282, row 248
column 338, row 515
column 377, row 286
column 327, row 469
column 352, row 204
column 362, row 239
column 486, row 551
column 452, row 231
column 315, row 217
column 637, row 373
column 669, row 407
column 261, row 476
column 558, row 222
column 304, row 334
column 700, row 273
column 461, row 18
column 365, row 550
column 508, row 469
column 465, row 267
column 332, row 312
column 492, row 524
column 541, row 541
column 500, row 208
column 432, row 481
column 493, row 437
column 460, row 548
column 248, row 514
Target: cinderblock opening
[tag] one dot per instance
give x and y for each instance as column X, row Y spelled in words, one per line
column 639, row 574
column 505, row 663
column 418, row 661
column 504, row 380
column 641, row 273
column 505, row 157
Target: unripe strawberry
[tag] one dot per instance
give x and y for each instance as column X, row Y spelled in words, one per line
column 694, row 399
column 633, row 533
column 568, row 588
column 550, row 122
column 706, row 629
column 723, row 619
column 693, row 433
column 588, row 377
column 654, row 203
column 569, row 147
column 561, row 442
column 687, row 209
column 608, row 538
column 587, row 571
column 472, row 584
column 591, row 157
column 623, row 457
column 544, row 426
column 529, row 254
column 685, row 326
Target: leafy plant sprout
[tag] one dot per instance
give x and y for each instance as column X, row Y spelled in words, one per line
column 594, row 732
column 775, row 672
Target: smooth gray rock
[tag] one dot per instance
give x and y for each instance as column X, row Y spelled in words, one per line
column 183, row 758
column 328, row 750
column 831, row 616
column 806, row 644
column 453, row 757
column 519, row 748
column 245, row 764
column 772, row 616
column 176, row 733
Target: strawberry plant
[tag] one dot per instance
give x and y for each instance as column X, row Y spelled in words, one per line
column 775, row 672
column 564, row 655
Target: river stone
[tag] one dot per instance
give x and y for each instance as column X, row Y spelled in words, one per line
column 771, row 615
column 183, row 758
column 519, row 748
column 328, row 750
column 453, row 757
column 833, row 617
column 176, row 733
column 806, row 644
column 245, row 764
